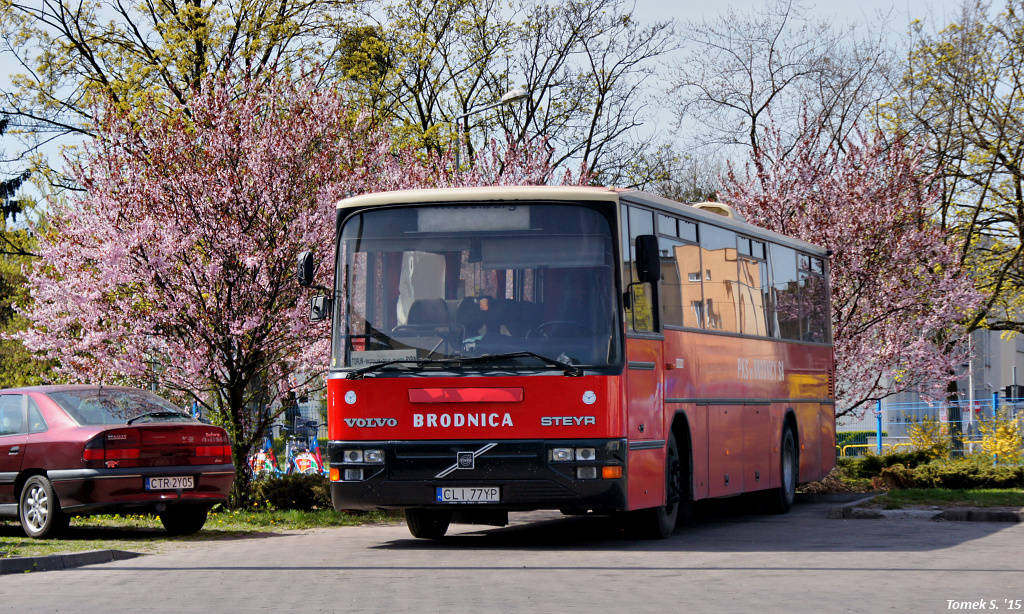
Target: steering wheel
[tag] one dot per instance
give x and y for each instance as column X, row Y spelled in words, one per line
column 541, row 330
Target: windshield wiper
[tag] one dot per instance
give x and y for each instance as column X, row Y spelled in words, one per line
column 160, row 414
column 569, row 369
column 358, row 373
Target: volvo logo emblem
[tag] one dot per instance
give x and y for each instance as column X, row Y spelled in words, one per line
column 465, row 460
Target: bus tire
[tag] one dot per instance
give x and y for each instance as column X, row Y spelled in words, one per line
column 660, row 522
column 427, row 524
column 780, row 500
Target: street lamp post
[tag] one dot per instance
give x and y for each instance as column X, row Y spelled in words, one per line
column 507, row 98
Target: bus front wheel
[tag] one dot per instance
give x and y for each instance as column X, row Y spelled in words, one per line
column 659, row 522
column 427, row 524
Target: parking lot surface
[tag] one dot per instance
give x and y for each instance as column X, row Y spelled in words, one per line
column 543, row 562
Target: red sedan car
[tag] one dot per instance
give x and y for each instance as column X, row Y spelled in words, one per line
column 79, row 450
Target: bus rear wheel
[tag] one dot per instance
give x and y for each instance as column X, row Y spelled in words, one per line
column 780, row 500
column 659, row 522
column 427, row 524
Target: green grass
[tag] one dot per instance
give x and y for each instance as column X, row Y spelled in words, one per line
column 947, row 498
column 145, row 534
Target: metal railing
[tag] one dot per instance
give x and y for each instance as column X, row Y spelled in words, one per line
column 959, row 425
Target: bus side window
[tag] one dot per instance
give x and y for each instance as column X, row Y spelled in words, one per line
column 721, row 278
column 671, row 294
column 785, row 294
column 640, row 307
column 682, row 298
column 814, row 300
column 752, row 287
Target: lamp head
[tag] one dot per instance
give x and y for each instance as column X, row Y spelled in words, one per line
column 514, row 95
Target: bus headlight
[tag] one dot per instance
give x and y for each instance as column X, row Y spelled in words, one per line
column 561, row 454
column 585, row 454
column 373, row 456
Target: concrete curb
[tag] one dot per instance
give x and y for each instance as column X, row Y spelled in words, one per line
column 832, row 497
column 63, row 561
column 955, row 515
column 981, row 515
column 852, row 511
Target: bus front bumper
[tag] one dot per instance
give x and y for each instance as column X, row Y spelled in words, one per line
column 578, row 475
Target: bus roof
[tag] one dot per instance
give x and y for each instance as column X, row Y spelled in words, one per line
column 572, row 193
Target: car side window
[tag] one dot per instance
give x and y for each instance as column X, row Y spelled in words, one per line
column 12, row 414
column 36, row 423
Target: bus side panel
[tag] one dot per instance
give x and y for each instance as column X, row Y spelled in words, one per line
column 725, row 450
column 808, row 428
column 646, row 478
column 827, row 438
column 697, row 418
column 778, row 413
column 757, row 422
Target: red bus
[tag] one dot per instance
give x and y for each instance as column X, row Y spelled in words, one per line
column 589, row 350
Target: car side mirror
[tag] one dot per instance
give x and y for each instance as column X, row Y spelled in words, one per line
column 648, row 261
column 306, row 269
column 320, row 308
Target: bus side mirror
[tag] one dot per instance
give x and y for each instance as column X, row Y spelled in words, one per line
column 306, row 269
column 319, row 308
column 648, row 261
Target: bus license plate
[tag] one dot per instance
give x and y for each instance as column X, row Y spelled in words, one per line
column 460, row 494
column 170, row 483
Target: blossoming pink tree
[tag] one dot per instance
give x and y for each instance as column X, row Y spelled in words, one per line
column 176, row 263
column 898, row 295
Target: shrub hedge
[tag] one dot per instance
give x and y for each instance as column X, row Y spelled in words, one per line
column 297, row 491
column 967, row 473
column 871, row 465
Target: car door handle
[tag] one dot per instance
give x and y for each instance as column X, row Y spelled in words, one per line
column 14, row 450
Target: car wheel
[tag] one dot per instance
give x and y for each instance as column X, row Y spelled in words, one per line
column 427, row 524
column 39, row 510
column 183, row 520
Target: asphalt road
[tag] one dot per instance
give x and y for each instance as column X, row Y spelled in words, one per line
column 725, row 562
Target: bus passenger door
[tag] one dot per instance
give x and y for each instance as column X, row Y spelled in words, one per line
column 646, row 433
column 644, row 400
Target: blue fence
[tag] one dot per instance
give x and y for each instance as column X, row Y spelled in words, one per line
column 887, row 428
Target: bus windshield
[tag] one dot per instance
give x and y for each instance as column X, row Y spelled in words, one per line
column 437, row 282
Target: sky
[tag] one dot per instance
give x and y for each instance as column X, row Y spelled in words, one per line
column 843, row 11
column 898, row 14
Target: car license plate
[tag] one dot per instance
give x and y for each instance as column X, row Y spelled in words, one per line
column 171, row 483
column 461, row 494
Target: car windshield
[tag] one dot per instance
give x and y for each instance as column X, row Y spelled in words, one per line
column 95, row 406
column 456, row 281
